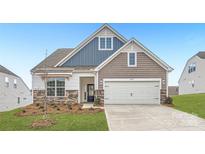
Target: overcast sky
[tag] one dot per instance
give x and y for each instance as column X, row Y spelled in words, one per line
column 22, row 46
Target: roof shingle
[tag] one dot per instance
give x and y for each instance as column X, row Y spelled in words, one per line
column 201, row 54
column 54, row 58
column 6, row 71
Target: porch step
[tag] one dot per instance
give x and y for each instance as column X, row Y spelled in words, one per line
column 91, row 105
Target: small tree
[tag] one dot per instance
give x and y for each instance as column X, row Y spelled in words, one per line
column 45, row 84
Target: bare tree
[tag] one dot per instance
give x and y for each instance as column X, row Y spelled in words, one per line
column 45, row 83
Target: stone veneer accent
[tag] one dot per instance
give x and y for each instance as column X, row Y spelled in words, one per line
column 163, row 94
column 71, row 96
column 100, row 94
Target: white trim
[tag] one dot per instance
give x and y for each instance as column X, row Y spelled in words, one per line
column 55, row 73
column 96, row 79
column 167, row 88
column 132, row 79
column 86, row 41
column 79, row 90
column 105, row 49
column 147, row 52
column 128, row 59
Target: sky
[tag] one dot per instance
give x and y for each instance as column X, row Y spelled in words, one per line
column 22, row 46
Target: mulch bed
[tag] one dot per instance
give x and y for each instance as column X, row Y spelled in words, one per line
column 38, row 109
column 42, row 123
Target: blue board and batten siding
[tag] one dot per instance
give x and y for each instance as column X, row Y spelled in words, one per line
column 91, row 56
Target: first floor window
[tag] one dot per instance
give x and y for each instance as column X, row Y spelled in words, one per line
column 56, row 87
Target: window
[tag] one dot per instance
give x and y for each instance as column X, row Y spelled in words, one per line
column 105, row 43
column 7, row 81
column 60, row 87
column 192, row 83
column 132, row 59
column 56, row 87
column 102, row 43
column 15, row 83
column 19, row 100
column 191, row 68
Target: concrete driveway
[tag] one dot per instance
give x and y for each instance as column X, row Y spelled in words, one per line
column 150, row 117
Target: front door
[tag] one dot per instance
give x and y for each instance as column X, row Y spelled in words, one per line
column 90, row 92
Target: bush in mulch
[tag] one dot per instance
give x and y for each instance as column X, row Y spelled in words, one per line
column 74, row 108
column 42, row 123
column 97, row 102
column 169, row 102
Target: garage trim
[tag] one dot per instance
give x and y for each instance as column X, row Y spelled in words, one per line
column 133, row 80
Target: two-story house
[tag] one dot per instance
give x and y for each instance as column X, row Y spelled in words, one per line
column 14, row 93
column 192, row 79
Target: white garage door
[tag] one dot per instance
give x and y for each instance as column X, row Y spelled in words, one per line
column 132, row 92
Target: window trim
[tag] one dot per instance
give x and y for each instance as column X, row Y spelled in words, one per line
column 55, row 79
column 128, row 59
column 101, row 49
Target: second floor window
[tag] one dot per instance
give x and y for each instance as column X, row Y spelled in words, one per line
column 105, row 43
column 132, row 59
column 6, row 81
column 15, row 83
column 191, row 68
column 56, row 87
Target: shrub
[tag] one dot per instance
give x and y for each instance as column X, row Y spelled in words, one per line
column 169, row 100
column 97, row 101
column 37, row 104
column 24, row 111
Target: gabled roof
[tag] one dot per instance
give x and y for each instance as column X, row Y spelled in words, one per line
column 86, row 41
column 53, row 59
column 6, row 71
column 147, row 52
column 201, row 54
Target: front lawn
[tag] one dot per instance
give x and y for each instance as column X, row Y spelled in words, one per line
column 193, row 103
column 64, row 122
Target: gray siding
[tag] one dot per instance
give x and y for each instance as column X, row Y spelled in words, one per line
column 146, row 68
column 91, row 56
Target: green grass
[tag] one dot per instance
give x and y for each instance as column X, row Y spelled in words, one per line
column 64, row 122
column 193, row 103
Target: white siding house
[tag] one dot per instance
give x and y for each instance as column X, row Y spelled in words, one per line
column 13, row 91
column 192, row 79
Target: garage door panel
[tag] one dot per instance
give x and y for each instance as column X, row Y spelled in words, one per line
column 132, row 92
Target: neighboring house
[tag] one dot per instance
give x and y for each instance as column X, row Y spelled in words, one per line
column 173, row 90
column 105, row 65
column 13, row 91
column 192, row 79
